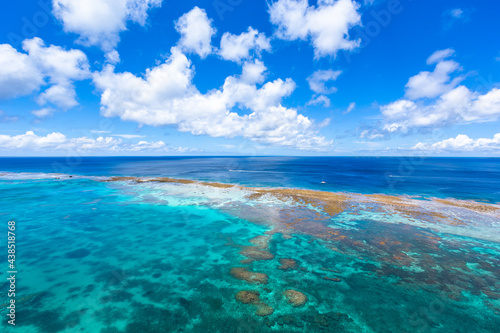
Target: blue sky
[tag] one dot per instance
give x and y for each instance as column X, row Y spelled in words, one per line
column 241, row 77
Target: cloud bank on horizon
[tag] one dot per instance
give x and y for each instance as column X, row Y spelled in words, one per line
column 297, row 77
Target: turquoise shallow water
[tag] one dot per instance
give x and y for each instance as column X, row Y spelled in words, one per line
column 121, row 257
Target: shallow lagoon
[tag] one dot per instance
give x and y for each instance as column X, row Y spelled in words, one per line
column 98, row 256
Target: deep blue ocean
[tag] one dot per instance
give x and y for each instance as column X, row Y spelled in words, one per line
column 125, row 257
column 461, row 178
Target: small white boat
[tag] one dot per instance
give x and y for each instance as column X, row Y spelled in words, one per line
column 323, row 182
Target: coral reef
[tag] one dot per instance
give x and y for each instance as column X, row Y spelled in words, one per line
column 259, row 251
column 410, row 225
column 263, row 310
column 287, row 264
column 261, row 242
column 248, row 297
column 253, row 297
column 256, row 254
column 471, row 205
column 241, row 273
column 294, row 297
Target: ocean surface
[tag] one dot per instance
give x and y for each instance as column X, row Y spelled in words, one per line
column 461, row 178
column 118, row 256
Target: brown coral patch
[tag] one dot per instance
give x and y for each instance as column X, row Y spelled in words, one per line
column 261, row 242
column 263, row 310
column 120, row 179
column 256, row 254
column 218, row 185
column 253, row 297
column 411, row 209
column 472, row 205
column 259, row 251
column 248, row 296
column 241, row 273
column 287, row 264
column 390, row 200
column 294, row 297
column 329, row 202
column 172, row 180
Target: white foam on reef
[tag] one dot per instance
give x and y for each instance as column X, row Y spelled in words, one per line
column 479, row 225
column 6, row 175
column 460, row 221
column 179, row 194
column 33, row 175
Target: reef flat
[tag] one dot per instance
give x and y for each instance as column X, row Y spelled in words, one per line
column 437, row 213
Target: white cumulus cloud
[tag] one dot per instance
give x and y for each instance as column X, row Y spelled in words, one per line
column 44, row 112
column 462, row 143
column 25, row 73
column 433, row 84
column 196, row 32
column 59, row 142
column 317, row 81
column 253, row 72
column 320, row 99
column 318, row 84
column 99, row 22
column 434, row 99
column 112, row 57
column 238, row 47
column 31, row 140
column 440, row 55
column 167, row 96
column 19, row 75
column 54, row 141
column 62, row 95
column 327, row 24
column 145, row 145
